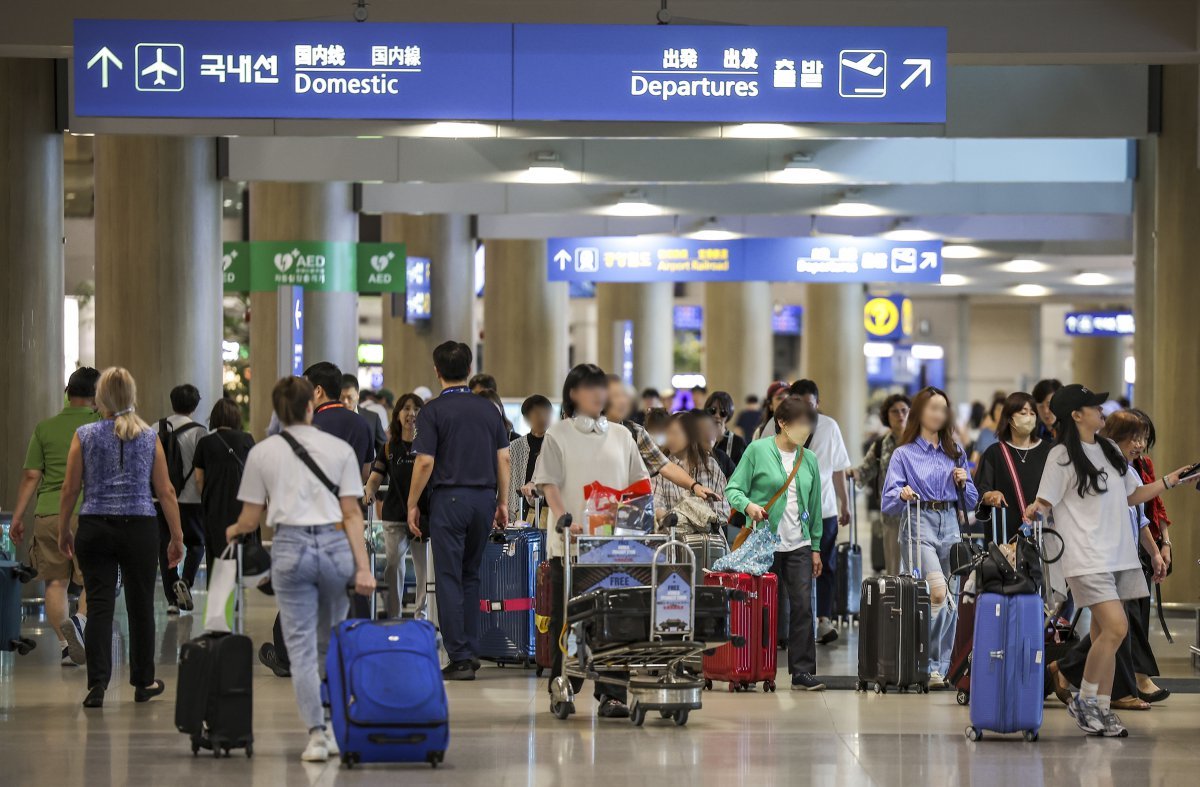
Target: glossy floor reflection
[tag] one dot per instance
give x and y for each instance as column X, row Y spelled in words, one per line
column 503, row 735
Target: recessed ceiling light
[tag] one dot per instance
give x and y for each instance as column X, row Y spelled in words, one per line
column 1025, row 266
column 961, row 251
column 547, row 168
column 953, row 280
column 909, row 235
column 1092, row 279
column 1030, row 290
column 714, row 234
column 457, row 130
column 846, row 208
column 759, row 131
column 800, row 169
column 634, row 203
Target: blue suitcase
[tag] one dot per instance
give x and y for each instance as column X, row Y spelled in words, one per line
column 386, row 698
column 507, row 586
column 1006, row 665
column 12, row 575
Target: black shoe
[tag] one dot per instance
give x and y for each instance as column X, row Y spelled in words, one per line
column 265, row 587
column 804, row 681
column 270, row 659
column 826, row 633
column 476, row 664
column 458, row 670
column 94, row 698
column 146, row 693
column 613, row 709
column 1157, row 696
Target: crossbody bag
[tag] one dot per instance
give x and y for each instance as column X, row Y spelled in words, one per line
column 744, row 533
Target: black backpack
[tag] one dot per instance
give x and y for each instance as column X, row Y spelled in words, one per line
column 174, row 452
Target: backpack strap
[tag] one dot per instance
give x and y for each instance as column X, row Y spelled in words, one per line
column 311, row 464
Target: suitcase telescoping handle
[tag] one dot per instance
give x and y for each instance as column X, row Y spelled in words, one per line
column 914, row 544
column 851, row 493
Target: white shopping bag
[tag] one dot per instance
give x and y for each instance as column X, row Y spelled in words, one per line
column 220, row 608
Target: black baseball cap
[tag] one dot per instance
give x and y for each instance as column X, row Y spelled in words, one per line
column 1070, row 398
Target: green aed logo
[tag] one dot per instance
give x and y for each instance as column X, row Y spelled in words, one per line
column 333, row 266
column 381, row 267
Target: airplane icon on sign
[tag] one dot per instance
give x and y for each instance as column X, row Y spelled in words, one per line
column 863, row 65
column 158, row 68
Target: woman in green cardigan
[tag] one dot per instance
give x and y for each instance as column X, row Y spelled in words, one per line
column 794, row 515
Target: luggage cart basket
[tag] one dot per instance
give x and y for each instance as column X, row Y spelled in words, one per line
column 659, row 674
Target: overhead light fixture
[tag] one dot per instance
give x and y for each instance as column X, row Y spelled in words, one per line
column 1030, row 290
column 369, row 136
column 852, row 208
column 452, row 129
column 879, row 349
column 1024, row 266
column 909, row 235
column 800, row 170
column 634, row 203
column 961, row 251
column 759, row 131
column 1091, row 279
column 547, row 168
column 953, row 280
column 712, row 230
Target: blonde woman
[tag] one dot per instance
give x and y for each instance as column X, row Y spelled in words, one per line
column 113, row 460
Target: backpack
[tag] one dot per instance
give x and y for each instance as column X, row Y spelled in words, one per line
column 174, row 452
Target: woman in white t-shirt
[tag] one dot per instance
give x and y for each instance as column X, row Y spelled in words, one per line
column 1088, row 486
column 581, row 448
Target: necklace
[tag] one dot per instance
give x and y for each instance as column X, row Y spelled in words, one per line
column 1022, row 456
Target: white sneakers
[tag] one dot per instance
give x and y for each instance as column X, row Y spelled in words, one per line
column 937, row 680
column 321, row 746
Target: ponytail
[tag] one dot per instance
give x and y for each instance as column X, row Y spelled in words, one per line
column 116, row 398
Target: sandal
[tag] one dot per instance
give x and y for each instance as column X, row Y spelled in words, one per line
column 1130, row 703
column 1062, row 688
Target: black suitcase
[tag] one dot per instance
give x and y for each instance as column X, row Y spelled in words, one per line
column 622, row 615
column 849, row 573
column 893, row 638
column 214, row 700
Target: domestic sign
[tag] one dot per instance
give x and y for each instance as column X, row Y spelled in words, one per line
column 320, row 266
column 400, row 71
column 1112, row 323
column 142, row 68
column 713, row 73
column 660, row 258
column 888, row 317
column 418, row 301
column 381, row 267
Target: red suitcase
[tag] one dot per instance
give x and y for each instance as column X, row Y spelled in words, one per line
column 543, row 645
column 754, row 620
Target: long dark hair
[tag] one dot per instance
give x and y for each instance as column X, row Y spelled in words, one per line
column 1088, row 477
column 945, row 435
column 695, row 456
column 397, row 428
column 1014, row 404
column 585, row 375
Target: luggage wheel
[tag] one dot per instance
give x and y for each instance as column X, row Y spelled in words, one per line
column 708, row 684
column 880, row 688
column 769, row 685
column 974, row 734
column 964, row 698
column 23, row 645
column 1030, row 736
column 434, row 758
column 249, row 750
column 349, row 759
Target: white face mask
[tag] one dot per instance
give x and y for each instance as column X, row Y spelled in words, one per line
column 660, row 439
column 1023, row 423
column 587, row 424
column 798, row 433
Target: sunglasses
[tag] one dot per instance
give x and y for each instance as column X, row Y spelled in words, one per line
column 717, row 412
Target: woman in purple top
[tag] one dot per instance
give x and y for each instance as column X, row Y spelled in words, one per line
column 117, row 460
column 929, row 465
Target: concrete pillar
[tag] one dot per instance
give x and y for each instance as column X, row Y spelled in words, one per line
column 738, row 340
column 1144, row 244
column 31, row 265
column 158, row 281
column 525, row 326
column 308, row 212
column 832, row 355
column 648, row 306
column 1173, row 312
column 1098, row 361
column 408, row 349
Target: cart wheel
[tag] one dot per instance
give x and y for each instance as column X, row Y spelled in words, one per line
column 666, row 714
column 681, row 717
column 562, row 710
column 963, row 697
column 769, row 685
column 1030, row 736
column 974, row 734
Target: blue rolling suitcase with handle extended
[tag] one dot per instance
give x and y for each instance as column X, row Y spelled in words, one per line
column 387, row 702
column 1006, row 665
column 507, row 586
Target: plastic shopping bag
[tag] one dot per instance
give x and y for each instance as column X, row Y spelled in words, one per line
column 222, row 595
column 755, row 556
column 631, row 510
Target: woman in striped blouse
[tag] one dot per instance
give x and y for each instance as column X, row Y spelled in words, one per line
column 687, row 445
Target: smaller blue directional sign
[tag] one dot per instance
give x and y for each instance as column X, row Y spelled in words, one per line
column 663, row 258
column 1107, row 323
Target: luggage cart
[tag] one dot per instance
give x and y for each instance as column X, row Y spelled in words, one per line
column 663, row 673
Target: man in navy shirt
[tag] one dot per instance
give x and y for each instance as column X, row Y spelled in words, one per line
column 462, row 454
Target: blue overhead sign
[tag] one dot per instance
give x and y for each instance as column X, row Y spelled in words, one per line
column 133, row 68
column 1110, row 323
column 716, row 73
column 344, row 70
column 661, row 258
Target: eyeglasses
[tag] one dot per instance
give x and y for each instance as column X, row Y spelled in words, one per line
column 717, row 412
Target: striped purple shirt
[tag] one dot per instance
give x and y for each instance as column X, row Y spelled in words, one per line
column 927, row 469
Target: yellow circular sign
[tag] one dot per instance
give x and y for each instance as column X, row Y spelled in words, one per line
column 880, row 317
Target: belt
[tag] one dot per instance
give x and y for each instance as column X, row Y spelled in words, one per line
column 311, row 529
column 938, row 505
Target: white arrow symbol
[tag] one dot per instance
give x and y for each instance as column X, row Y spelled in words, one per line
column 924, row 66
column 562, row 258
column 299, row 313
column 104, row 57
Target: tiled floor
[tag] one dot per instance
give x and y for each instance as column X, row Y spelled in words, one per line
column 502, row 734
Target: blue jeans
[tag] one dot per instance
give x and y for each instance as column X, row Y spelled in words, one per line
column 939, row 532
column 460, row 520
column 310, row 569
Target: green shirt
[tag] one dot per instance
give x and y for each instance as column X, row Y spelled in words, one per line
column 48, row 453
column 760, row 475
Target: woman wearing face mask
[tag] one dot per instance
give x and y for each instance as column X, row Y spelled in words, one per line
column 688, row 446
column 894, row 415
column 930, row 465
column 769, row 465
column 581, row 448
column 1011, row 468
column 1089, row 487
column 776, row 393
column 395, row 465
column 657, row 421
column 524, row 452
column 720, row 406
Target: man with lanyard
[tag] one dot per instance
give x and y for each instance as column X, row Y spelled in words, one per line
column 331, row 417
column 656, row 461
column 461, row 444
